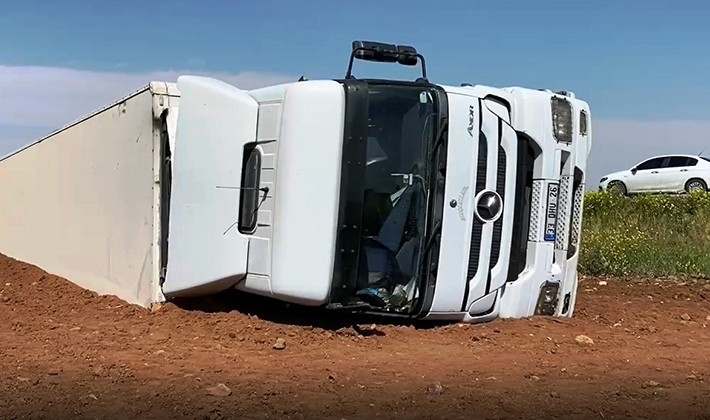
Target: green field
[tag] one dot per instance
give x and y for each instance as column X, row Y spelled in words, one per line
column 647, row 235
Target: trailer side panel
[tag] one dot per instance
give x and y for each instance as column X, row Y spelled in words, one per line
column 79, row 204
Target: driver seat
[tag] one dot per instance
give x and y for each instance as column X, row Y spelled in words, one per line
column 379, row 259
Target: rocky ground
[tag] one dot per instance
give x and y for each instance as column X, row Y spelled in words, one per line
column 635, row 349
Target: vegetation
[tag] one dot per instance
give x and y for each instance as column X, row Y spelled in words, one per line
column 646, row 235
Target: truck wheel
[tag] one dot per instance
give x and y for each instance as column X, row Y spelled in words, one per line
column 695, row 184
column 618, row 187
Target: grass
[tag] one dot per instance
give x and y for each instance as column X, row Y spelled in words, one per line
column 646, row 235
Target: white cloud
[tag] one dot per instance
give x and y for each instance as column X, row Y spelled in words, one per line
column 36, row 100
column 53, row 96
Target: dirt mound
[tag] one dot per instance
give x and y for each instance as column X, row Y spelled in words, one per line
column 635, row 349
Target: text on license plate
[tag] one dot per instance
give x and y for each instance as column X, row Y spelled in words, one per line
column 551, row 212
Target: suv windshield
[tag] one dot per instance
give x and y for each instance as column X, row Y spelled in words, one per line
column 401, row 130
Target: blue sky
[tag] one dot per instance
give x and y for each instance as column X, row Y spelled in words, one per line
column 634, row 61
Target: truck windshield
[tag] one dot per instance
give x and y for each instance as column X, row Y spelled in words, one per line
column 401, row 131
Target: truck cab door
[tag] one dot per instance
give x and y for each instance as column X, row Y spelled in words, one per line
column 206, row 252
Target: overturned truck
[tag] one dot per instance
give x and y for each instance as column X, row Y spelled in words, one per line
column 401, row 198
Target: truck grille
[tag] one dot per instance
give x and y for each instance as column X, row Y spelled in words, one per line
column 498, row 225
column 535, row 216
column 563, row 211
column 476, row 236
column 475, row 250
column 577, row 205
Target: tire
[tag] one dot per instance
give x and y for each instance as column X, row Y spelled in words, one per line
column 617, row 186
column 696, row 184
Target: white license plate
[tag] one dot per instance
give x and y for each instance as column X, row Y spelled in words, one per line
column 551, row 212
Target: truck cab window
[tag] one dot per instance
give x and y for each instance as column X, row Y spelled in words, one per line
column 249, row 194
column 401, row 130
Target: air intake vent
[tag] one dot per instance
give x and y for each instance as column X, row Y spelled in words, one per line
column 475, row 250
column 498, row 225
column 577, row 208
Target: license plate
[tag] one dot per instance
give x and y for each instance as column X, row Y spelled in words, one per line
column 551, row 212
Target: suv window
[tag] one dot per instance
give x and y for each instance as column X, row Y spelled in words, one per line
column 654, row 163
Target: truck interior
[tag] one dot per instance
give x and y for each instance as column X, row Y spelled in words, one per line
column 401, row 130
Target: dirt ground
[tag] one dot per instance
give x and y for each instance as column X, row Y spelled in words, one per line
column 68, row 353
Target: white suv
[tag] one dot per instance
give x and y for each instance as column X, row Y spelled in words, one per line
column 661, row 174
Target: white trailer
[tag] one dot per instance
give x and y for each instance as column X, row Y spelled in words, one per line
column 84, row 202
column 405, row 198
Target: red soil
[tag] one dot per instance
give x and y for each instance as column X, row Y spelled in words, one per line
column 66, row 352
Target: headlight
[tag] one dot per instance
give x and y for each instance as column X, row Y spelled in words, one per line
column 604, row 179
column 547, row 299
column 562, row 119
column 583, row 122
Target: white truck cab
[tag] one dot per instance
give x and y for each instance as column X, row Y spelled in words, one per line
column 402, row 198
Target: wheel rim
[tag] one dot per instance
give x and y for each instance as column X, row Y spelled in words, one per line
column 696, row 185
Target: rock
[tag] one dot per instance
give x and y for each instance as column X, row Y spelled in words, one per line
column 707, row 318
column 554, row 394
column 651, row 384
column 280, row 344
column 367, row 330
column 583, row 339
column 691, row 377
column 435, row 388
column 220, row 390
column 685, row 317
column 602, row 283
column 346, row 332
column 5, row 299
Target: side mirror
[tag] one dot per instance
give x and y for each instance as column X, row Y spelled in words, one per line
column 633, row 171
column 385, row 53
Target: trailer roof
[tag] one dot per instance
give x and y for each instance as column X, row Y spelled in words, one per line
column 155, row 87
